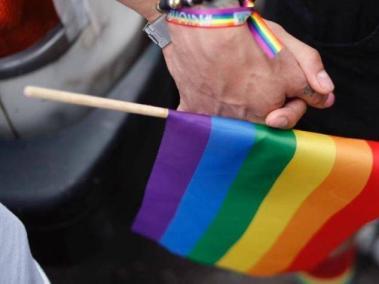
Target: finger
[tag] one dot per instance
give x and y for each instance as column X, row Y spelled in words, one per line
column 298, row 87
column 309, row 60
column 314, row 99
column 287, row 116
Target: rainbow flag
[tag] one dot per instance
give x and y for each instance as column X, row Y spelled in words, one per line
column 253, row 199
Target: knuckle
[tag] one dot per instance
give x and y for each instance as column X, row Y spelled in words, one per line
column 276, row 27
column 314, row 55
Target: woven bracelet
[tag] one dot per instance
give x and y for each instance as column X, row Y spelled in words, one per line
column 230, row 17
column 210, row 18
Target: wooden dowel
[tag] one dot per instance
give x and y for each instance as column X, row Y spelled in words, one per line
column 92, row 101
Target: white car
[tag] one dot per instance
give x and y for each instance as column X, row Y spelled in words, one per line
column 91, row 45
column 59, row 161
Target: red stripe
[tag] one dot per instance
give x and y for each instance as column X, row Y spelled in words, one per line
column 362, row 209
column 335, row 266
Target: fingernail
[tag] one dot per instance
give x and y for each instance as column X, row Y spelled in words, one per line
column 325, row 81
column 280, row 122
column 330, row 100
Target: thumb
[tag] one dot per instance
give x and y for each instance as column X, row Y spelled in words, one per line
column 287, row 116
column 310, row 62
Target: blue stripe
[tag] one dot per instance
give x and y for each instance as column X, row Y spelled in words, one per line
column 228, row 146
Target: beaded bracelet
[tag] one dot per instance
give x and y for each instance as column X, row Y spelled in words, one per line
column 167, row 5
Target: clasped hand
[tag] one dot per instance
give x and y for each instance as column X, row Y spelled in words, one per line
column 224, row 72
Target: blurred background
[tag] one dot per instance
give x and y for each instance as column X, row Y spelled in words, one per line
column 76, row 176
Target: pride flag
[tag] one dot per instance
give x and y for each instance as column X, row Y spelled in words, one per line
column 253, row 199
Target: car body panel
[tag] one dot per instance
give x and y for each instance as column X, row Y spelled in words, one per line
column 103, row 51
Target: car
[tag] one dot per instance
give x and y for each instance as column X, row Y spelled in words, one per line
column 60, row 164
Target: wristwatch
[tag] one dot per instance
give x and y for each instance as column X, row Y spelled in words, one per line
column 158, row 31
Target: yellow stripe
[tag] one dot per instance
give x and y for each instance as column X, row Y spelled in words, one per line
column 311, row 164
column 214, row 23
column 342, row 185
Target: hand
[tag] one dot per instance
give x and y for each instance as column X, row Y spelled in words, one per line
column 224, row 72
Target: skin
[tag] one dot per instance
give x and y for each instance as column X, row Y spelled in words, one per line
column 224, row 72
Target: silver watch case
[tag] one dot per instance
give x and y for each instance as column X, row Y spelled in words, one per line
column 158, row 31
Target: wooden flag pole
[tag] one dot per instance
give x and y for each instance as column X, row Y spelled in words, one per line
column 92, row 101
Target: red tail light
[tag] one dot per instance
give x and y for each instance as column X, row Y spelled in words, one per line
column 23, row 23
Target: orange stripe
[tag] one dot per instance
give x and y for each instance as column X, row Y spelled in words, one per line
column 349, row 176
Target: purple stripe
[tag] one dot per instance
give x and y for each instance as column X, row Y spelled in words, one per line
column 167, row 186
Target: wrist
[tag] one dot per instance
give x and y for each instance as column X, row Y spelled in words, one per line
column 146, row 9
column 151, row 14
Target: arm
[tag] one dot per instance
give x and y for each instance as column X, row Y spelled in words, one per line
column 146, row 8
column 224, row 72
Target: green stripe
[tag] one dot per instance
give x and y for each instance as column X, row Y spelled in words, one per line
column 272, row 152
